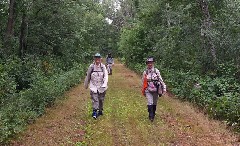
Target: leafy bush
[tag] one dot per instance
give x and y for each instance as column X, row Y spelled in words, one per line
column 170, row 31
column 22, row 107
column 218, row 96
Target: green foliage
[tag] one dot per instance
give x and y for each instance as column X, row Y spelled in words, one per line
column 14, row 117
column 23, row 107
column 217, row 96
column 173, row 33
column 58, row 40
column 7, row 83
column 226, row 108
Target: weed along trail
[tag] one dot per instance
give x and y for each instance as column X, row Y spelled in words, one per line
column 125, row 121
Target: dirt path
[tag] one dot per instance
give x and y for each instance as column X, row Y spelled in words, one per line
column 124, row 121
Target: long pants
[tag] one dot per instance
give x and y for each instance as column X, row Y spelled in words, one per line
column 109, row 68
column 97, row 100
column 152, row 98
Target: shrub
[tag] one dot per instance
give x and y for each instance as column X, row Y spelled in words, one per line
column 21, row 108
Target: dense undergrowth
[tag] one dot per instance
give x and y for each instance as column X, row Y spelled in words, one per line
column 43, row 83
column 217, row 95
column 198, row 55
column 44, row 50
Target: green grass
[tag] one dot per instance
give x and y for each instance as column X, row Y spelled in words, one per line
column 125, row 120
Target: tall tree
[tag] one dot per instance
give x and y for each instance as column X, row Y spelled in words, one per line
column 23, row 36
column 10, row 23
column 207, row 28
column 10, row 27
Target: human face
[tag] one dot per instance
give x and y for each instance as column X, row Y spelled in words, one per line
column 150, row 64
column 97, row 60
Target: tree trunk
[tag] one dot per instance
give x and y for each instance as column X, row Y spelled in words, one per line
column 136, row 5
column 11, row 11
column 9, row 30
column 207, row 23
column 23, row 35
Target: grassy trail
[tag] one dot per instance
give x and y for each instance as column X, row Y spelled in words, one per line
column 125, row 121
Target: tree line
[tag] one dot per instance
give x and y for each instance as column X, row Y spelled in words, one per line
column 45, row 47
column 196, row 47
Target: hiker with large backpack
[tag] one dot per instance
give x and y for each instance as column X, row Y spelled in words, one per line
column 109, row 63
column 152, row 87
column 97, row 77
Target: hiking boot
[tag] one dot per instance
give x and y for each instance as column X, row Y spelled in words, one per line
column 150, row 113
column 154, row 109
column 100, row 113
column 94, row 114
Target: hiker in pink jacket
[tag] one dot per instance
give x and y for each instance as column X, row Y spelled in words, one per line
column 97, row 77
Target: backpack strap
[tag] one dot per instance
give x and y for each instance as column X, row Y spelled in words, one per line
column 103, row 70
column 92, row 70
column 154, row 71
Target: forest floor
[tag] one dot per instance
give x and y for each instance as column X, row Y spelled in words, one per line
column 125, row 120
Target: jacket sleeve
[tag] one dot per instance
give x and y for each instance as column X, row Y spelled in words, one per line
column 87, row 78
column 105, row 79
column 161, row 80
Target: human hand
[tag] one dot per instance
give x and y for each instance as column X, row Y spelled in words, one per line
column 85, row 85
column 103, row 86
column 164, row 92
column 143, row 93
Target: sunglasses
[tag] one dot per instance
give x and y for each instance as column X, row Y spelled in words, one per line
column 150, row 62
